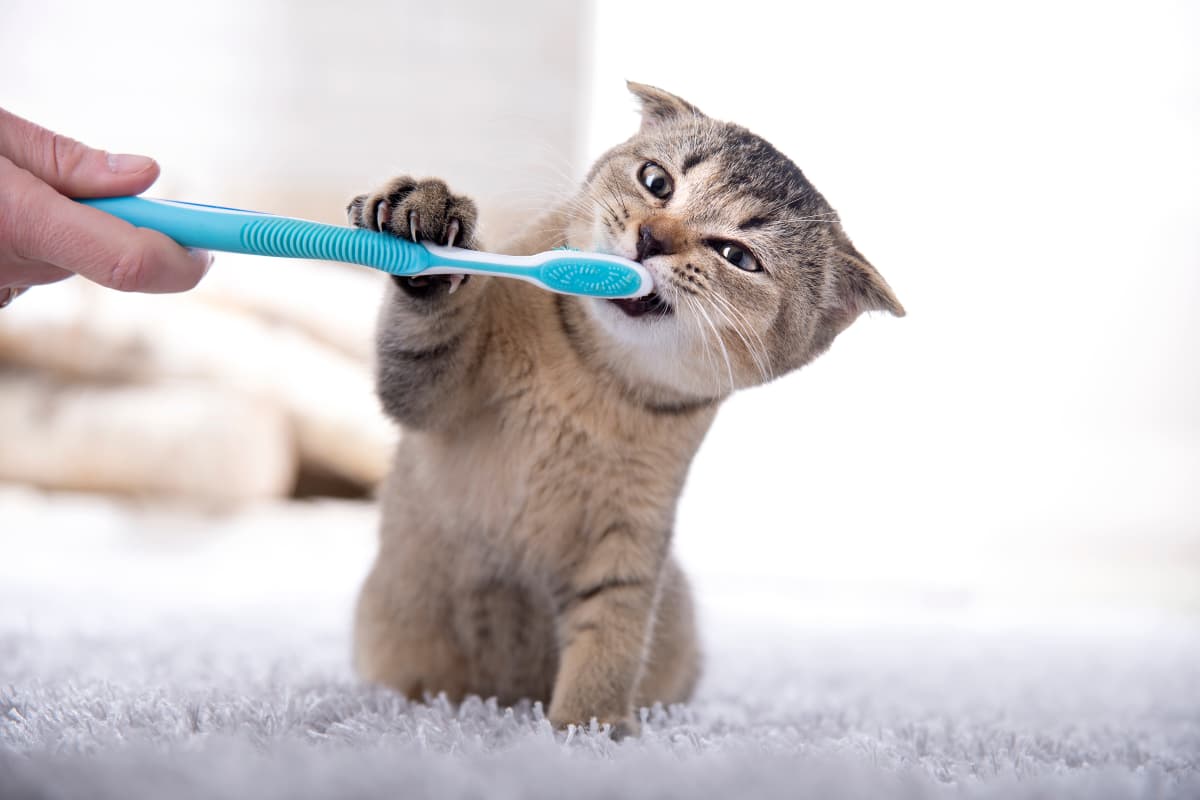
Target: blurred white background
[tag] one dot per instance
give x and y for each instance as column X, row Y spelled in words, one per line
column 1026, row 176
column 1025, row 443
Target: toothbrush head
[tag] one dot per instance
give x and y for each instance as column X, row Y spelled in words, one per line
column 595, row 275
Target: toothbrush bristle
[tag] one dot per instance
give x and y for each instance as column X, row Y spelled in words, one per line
column 587, row 278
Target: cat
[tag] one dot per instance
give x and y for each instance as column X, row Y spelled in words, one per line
column 528, row 516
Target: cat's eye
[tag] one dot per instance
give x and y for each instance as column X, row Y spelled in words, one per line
column 656, row 180
column 737, row 255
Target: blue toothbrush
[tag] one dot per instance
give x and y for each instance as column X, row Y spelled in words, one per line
column 234, row 230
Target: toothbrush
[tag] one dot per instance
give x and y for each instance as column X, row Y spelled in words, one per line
column 235, row 230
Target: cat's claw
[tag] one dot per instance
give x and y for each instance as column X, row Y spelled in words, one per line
column 419, row 210
column 452, row 231
column 383, row 216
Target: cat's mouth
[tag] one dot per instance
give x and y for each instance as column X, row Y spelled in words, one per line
column 651, row 304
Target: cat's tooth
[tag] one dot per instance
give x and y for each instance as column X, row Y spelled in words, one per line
column 452, row 232
column 412, row 225
column 455, row 282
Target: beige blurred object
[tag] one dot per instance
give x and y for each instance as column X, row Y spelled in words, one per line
column 205, row 443
column 333, row 303
column 79, row 330
column 298, row 107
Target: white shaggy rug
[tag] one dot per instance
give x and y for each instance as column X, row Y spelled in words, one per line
column 123, row 676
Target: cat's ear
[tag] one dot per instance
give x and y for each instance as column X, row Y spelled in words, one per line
column 659, row 107
column 859, row 286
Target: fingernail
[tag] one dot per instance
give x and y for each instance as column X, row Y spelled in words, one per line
column 124, row 164
column 203, row 256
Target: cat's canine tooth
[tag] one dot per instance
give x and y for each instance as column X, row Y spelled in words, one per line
column 412, row 225
column 452, row 232
column 455, row 281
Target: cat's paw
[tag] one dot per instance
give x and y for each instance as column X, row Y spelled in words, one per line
column 417, row 210
column 618, row 728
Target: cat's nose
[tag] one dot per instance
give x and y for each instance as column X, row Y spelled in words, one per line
column 654, row 240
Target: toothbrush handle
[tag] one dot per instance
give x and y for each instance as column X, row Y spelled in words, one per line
column 236, row 231
column 233, row 230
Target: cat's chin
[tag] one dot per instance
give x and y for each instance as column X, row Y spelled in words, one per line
column 652, row 305
column 652, row 350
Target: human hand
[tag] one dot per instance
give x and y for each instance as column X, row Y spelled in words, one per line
column 45, row 236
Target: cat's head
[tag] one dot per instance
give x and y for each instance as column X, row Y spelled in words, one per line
column 753, row 273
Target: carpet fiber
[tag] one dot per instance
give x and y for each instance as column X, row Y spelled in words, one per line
column 144, row 656
column 235, row 711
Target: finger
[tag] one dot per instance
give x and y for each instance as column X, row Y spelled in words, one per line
column 22, row 274
column 72, row 168
column 47, row 227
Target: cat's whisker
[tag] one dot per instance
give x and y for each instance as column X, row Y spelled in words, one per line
column 607, row 206
column 537, row 201
column 604, row 210
column 565, row 171
column 739, row 329
column 702, row 333
column 532, row 206
column 741, row 326
column 549, row 155
column 581, row 208
column 721, row 342
column 613, row 195
column 549, row 228
column 732, row 325
column 598, row 199
column 736, row 328
column 579, row 204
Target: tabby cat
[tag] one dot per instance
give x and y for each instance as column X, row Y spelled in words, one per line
column 527, row 519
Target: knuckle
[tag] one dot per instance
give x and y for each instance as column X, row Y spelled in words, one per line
column 129, row 273
column 23, row 222
column 65, row 155
column 15, row 182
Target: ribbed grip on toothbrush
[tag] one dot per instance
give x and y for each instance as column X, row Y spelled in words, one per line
column 290, row 238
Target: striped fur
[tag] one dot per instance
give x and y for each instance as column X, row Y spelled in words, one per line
column 527, row 520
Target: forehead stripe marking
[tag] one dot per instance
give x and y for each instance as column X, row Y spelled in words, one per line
column 691, row 161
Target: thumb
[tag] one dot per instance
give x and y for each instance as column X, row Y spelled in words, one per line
column 73, row 169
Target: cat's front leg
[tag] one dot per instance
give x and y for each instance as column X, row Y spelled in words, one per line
column 431, row 335
column 605, row 618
